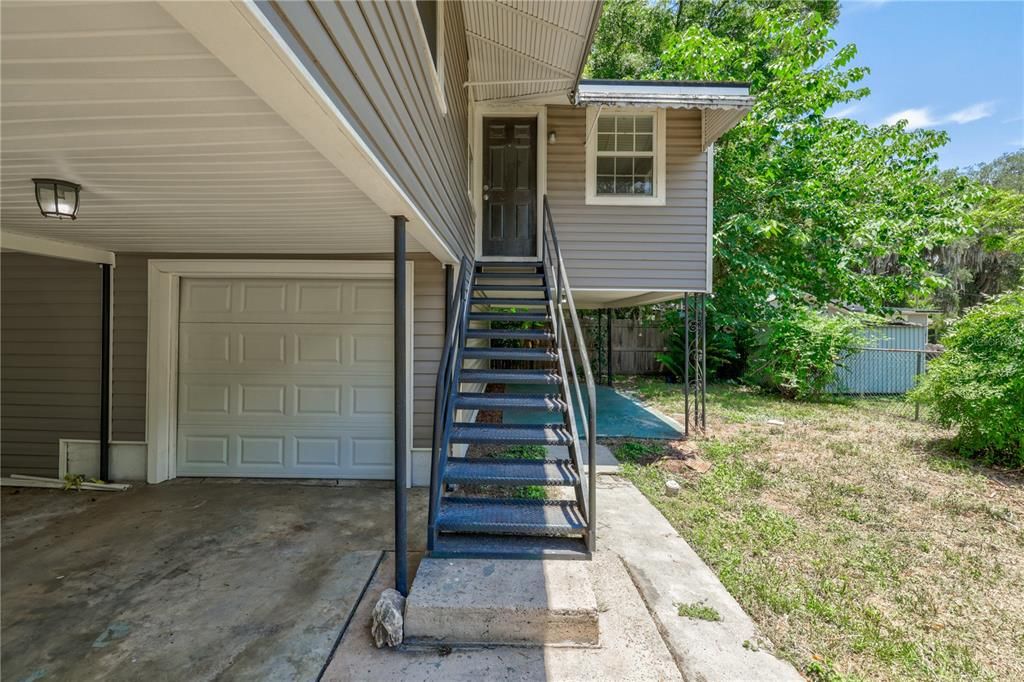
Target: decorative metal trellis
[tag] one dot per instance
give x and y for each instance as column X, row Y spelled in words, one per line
column 695, row 364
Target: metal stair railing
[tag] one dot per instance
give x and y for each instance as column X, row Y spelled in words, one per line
column 560, row 293
column 446, row 390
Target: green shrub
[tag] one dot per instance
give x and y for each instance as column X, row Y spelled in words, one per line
column 800, row 352
column 978, row 382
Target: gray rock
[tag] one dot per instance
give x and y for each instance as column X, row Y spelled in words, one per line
column 671, row 488
column 388, row 617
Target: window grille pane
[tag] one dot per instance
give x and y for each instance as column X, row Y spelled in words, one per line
column 625, row 155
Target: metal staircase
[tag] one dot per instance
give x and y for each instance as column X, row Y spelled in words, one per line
column 547, row 340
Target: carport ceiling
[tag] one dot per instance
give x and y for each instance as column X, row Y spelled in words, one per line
column 173, row 151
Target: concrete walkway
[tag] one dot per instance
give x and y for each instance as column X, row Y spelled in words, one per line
column 668, row 573
column 642, row 571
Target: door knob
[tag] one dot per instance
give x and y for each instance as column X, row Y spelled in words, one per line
column 486, row 197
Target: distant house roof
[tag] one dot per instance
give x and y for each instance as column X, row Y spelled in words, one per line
column 722, row 104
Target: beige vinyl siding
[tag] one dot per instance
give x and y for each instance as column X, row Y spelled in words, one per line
column 50, row 340
column 631, row 247
column 370, row 58
column 130, row 319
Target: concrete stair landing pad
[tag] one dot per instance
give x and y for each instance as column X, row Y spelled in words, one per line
column 481, row 601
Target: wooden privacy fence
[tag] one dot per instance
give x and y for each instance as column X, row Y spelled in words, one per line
column 634, row 345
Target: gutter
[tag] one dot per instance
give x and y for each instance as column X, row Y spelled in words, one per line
column 594, row 22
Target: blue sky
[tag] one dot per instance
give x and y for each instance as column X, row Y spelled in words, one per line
column 956, row 66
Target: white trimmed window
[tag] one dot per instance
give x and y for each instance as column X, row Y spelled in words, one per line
column 432, row 22
column 626, row 157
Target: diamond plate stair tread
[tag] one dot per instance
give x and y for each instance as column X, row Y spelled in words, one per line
column 478, row 546
column 508, row 266
column 509, row 317
column 535, row 354
column 509, row 287
column 510, row 401
column 512, row 376
column 524, row 334
column 508, row 275
column 511, row 434
column 512, row 472
column 500, row 517
column 509, row 302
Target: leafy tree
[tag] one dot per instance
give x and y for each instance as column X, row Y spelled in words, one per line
column 808, row 207
column 978, row 382
column 990, row 260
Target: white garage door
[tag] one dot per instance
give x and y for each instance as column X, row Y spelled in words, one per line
column 286, row 378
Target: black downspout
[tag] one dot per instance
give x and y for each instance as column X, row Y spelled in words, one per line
column 611, row 365
column 105, row 271
column 401, row 399
column 449, row 280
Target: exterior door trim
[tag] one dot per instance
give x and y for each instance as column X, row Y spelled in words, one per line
column 162, row 337
column 481, row 110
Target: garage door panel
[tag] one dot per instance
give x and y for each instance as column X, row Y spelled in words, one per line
column 337, row 402
column 236, row 347
column 291, row 301
column 286, row 378
column 283, row 453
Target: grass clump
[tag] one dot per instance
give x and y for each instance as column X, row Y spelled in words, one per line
column 699, row 611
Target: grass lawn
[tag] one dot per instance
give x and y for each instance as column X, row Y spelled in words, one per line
column 862, row 548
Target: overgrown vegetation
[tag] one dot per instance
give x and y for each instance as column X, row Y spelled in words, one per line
column 800, row 355
column 978, row 382
column 859, row 545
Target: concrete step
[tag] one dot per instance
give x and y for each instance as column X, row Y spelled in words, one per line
column 486, row 601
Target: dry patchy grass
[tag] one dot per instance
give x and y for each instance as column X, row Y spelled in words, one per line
column 862, row 548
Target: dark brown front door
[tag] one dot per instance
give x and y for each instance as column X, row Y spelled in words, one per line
column 510, row 187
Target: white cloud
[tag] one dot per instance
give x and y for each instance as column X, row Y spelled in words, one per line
column 922, row 117
column 846, row 112
column 915, row 118
column 974, row 112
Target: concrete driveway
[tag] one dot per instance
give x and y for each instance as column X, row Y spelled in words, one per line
column 195, row 579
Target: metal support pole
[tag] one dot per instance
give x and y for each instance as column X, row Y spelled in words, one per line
column 611, row 365
column 686, row 363
column 918, row 372
column 401, row 399
column 703, row 362
column 105, row 272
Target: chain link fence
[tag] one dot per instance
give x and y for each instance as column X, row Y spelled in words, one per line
column 879, row 379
